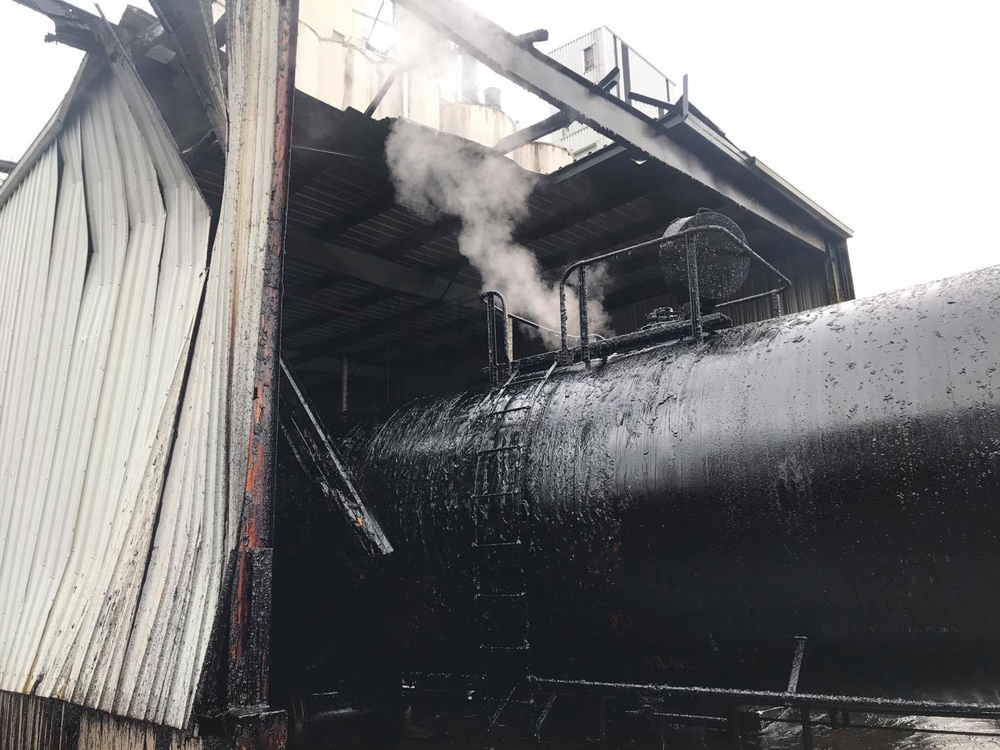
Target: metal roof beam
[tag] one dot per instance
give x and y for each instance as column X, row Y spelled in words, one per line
column 381, row 272
column 335, row 344
column 532, row 133
column 550, row 124
column 357, row 309
column 568, row 91
column 332, row 229
column 533, row 37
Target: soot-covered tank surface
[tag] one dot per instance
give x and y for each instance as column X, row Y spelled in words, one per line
column 689, row 509
column 447, row 733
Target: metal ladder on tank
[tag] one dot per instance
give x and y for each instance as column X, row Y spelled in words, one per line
column 499, row 516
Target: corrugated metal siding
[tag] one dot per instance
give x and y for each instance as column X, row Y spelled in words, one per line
column 203, row 493
column 646, row 79
column 571, row 54
column 579, row 138
column 28, row 722
column 103, row 293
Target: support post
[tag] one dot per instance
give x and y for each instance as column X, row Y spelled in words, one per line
column 776, row 307
column 807, row 733
column 694, row 297
column 584, row 320
column 250, row 614
column 735, row 730
column 602, row 718
column 800, row 651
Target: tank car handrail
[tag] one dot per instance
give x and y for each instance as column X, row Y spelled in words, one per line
column 490, row 298
column 581, row 265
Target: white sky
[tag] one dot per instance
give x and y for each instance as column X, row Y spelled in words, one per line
column 881, row 111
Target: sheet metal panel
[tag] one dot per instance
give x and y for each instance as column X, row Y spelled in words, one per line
column 123, row 438
column 96, row 372
column 33, row 723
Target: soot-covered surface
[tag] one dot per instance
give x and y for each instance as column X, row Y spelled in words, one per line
column 692, row 508
column 451, row 732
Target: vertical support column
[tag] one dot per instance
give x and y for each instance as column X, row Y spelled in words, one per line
column 250, row 614
column 584, row 318
column 807, row 734
column 694, row 297
column 735, row 730
column 833, row 287
column 777, row 310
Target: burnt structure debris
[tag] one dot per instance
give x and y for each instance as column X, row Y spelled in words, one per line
column 319, row 469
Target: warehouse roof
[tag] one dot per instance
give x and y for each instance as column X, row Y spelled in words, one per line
column 363, row 273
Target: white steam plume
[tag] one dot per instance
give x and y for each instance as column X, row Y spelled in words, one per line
column 436, row 174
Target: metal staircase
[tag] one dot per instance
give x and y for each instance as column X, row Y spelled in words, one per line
column 499, row 517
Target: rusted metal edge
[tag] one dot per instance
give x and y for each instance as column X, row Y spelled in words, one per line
column 248, row 676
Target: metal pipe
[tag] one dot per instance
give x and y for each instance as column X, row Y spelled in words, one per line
column 491, row 338
column 864, row 704
column 384, row 88
column 540, row 327
column 490, row 299
column 563, row 317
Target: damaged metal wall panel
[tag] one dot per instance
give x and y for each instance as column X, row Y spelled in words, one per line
column 213, row 434
column 28, row 722
column 90, row 399
column 191, row 29
column 128, row 372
